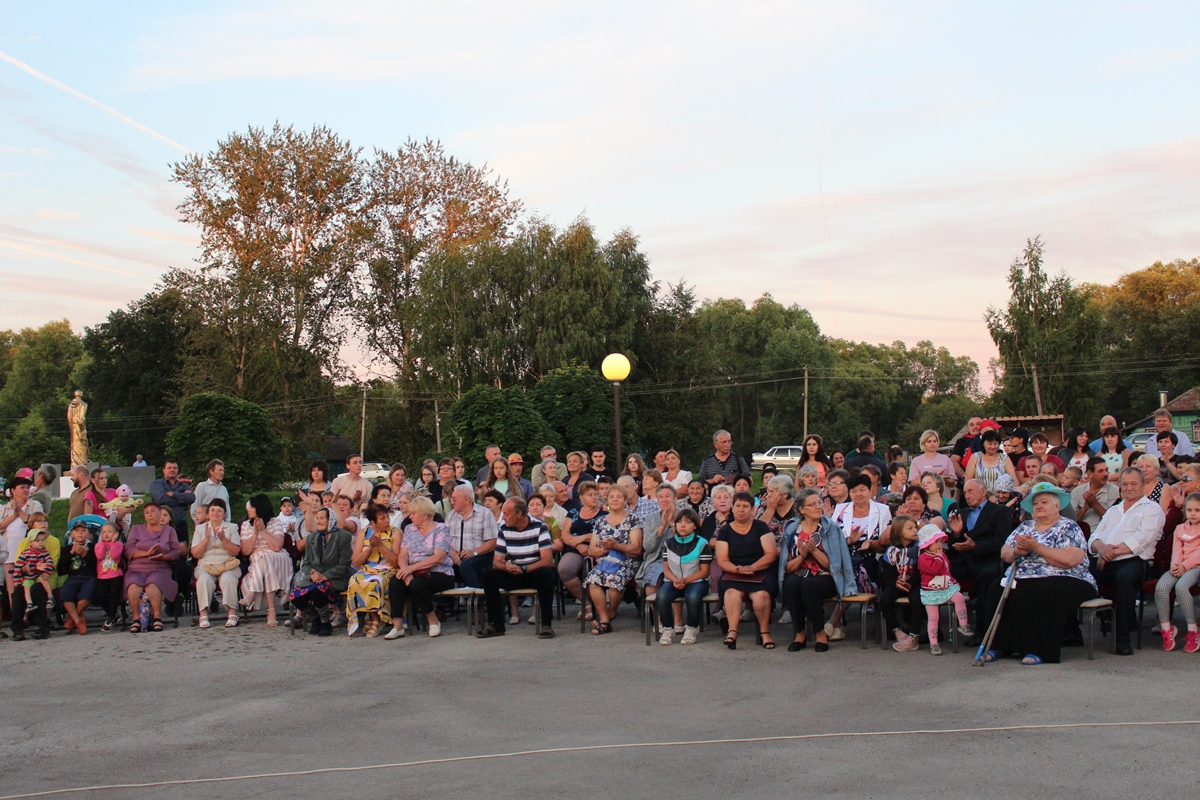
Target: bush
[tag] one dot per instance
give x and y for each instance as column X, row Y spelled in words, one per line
column 238, row 432
column 506, row 417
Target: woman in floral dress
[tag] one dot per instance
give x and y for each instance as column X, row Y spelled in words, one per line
column 617, row 548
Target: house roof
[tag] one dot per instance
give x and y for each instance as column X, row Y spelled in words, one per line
column 1187, row 402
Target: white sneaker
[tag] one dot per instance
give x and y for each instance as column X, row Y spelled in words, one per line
column 532, row 620
column 435, row 630
column 397, row 632
column 785, row 618
column 689, row 635
column 680, row 628
column 834, row 634
column 747, row 615
column 666, row 637
column 514, row 620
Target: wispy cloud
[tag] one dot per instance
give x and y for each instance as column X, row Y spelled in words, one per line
column 62, row 87
column 97, row 249
column 58, row 257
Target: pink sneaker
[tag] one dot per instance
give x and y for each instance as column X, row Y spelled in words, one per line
column 905, row 643
column 1193, row 642
column 1168, row 636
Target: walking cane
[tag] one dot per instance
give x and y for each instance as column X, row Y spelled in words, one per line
column 1009, row 579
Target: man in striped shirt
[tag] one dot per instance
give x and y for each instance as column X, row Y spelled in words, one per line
column 523, row 559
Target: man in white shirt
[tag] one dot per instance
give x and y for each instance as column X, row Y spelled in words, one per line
column 1162, row 423
column 353, row 485
column 1093, row 499
column 472, row 535
column 1120, row 547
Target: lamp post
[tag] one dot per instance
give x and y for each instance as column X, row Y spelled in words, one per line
column 616, row 369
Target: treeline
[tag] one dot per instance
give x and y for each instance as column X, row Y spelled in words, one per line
column 479, row 323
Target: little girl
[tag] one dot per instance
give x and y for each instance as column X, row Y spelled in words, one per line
column 1183, row 575
column 901, row 554
column 109, row 575
column 937, row 587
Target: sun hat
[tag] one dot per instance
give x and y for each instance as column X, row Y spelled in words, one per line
column 516, row 458
column 1045, row 487
column 928, row 535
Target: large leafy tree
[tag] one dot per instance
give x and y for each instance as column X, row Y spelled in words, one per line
column 40, row 378
column 576, row 401
column 1048, row 324
column 487, row 415
column 284, row 231
column 423, row 203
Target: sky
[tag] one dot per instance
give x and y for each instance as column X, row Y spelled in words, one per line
column 880, row 164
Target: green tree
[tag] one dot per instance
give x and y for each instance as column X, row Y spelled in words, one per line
column 238, row 432
column 1048, row 323
column 487, row 415
column 40, row 380
column 946, row 415
column 132, row 373
column 284, row 231
column 30, row 443
column 576, row 402
column 423, row 202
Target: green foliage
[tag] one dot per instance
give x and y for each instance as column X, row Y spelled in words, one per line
column 131, row 376
column 487, row 415
column 1048, row 323
column 238, row 432
column 29, row 444
column 42, row 362
column 576, row 401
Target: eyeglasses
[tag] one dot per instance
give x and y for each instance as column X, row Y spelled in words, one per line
column 837, row 483
column 1186, row 479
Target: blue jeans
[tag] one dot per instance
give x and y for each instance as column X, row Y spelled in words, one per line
column 693, row 601
column 471, row 570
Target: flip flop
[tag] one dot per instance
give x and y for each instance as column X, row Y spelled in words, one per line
column 1031, row 660
column 991, row 655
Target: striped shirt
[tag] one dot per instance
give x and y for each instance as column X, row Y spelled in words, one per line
column 472, row 532
column 523, row 546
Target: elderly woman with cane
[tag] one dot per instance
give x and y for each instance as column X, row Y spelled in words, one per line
column 1049, row 557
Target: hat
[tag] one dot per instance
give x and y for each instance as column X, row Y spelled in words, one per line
column 1045, row 487
column 989, row 424
column 25, row 472
column 1020, row 433
column 516, row 458
column 928, row 535
column 1004, row 483
column 20, row 480
column 283, row 500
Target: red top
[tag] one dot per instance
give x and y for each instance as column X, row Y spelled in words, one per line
column 931, row 567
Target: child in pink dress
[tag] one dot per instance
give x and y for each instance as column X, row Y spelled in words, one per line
column 109, row 575
column 1181, row 577
column 937, row 586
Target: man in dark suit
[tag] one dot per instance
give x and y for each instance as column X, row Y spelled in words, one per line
column 976, row 534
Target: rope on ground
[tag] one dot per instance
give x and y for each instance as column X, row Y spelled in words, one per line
column 596, row 747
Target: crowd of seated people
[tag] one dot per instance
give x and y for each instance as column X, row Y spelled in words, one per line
column 912, row 534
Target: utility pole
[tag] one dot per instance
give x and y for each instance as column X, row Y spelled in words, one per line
column 437, row 424
column 805, row 404
column 362, row 430
column 1037, row 392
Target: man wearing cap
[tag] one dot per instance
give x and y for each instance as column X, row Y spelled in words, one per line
column 548, row 452
column 1120, row 547
column 1093, row 499
column 516, row 465
column 490, row 454
column 976, row 534
column 1017, row 445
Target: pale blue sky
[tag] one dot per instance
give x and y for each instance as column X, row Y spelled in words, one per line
column 880, row 164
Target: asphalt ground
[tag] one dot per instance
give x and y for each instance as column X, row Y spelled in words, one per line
column 191, row 704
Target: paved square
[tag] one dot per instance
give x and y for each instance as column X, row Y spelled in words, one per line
column 193, row 704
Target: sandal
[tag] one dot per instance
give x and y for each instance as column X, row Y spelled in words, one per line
column 600, row 628
column 731, row 640
column 135, row 627
column 991, row 655
column 765, row 640
column 1031, row 660
column 204, row 621
column 156, row 625
column 232, row 622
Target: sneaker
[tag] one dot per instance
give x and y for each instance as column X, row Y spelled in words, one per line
column 489, row 631
column 514, row 620
column 339, row 620
column 326, row 629
column 1168, row 637
column 1193, row 642
column 435, row 630
column 532, row 620
column 935, row 649
column 69, row 624
column 905, row 643
column 315, row 627
column 397, row 632
column 689, row 635
column 680, row 628
column 966, row 630
column 720, row 614
column 667, row 637
column 747, row 615
column 834, row 634
column 30, row 607
column 109, row 624
column 785, row 618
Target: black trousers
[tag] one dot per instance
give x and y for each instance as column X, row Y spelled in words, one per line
column 545, row 580
column 911, row 619
column 1126, row 577
column 984, row 577
column 805, row 598
column 421, row 590
column 110, row 593
column 23, row 619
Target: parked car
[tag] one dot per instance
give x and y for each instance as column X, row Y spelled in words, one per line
column 1138, row 441
column 781, row 457
column 374, row 471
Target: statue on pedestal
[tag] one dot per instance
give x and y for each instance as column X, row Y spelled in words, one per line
column 77, row 422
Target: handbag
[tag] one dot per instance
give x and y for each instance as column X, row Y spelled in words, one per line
column 217, row 570
column 754, row 577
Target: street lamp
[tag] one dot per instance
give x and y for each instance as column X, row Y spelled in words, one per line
column 616, row 369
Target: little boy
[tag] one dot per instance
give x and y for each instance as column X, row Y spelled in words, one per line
column 34, row 567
